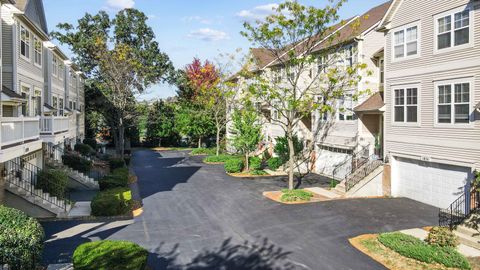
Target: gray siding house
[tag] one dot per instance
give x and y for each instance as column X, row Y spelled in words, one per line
column 432, row 126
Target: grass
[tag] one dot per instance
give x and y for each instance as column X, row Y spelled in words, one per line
column 295, row 195
column 258, row 172
column 218, row 159
column 203, row 151
column 414, row 248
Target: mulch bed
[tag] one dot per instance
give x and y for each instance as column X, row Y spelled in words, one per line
column 276, row 195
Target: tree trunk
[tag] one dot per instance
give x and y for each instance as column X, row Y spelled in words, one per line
column 199, row 142
column 218, row 140
column 116, row 140
column 291, row 162
column 121, row 140
column 160, row 142
column 247, row 163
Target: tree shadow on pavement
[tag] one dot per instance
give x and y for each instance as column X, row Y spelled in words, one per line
column 261, row 255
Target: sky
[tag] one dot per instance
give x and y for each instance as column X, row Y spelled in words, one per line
column 188, row 28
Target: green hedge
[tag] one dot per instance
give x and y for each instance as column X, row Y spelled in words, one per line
column 116, row 163
column 118, row 178
column 53, row 181
column 92, row 142
column 234, row 165
column 295, row 195
column 219, row 158
column 77, row 163
column 84, row 149
column 112, row 202
column 274, row 163
column 203, row 151
column 21, row 239
column 417, row 249
column 108, row 254
column 255, row 163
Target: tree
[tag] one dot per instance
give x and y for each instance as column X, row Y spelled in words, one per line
column 121, row 57
column 192, row 121
column 161, row 123
column 246, row 132
column 291, row 37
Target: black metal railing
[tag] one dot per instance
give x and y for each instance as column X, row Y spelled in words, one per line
column 352, row 163
column 460, row 209
column 365, row 168
column 24, row 176
column 54, row 152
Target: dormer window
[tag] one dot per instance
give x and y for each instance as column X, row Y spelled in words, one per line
column 25, row 38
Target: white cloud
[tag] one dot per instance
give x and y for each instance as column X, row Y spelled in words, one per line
column 199, row 19
column 257, row 13
column 207, row 34
column 120, row 4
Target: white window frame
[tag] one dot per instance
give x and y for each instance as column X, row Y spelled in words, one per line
column 27, row 44
column 347, row 98
column 404, row 87
column 35, row 52
column 451, row 13
column 419, row 42
column 28, row 98
column 61, row 70
column 37, row 94
column 55, row 66
column 452, row 82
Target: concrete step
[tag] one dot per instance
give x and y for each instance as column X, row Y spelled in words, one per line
column 468, row 231
column 468, row 240
column 65, row 266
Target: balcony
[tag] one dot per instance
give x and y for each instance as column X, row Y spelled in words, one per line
column 19, row 130
column 53, row 125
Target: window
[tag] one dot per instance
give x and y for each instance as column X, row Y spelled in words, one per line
column 38, row 47
column 321, row 64
column 336, row 149
column 61, row 70
column 406, row 105
column 26, row 105
column 55, row 66
column 60, row 106
column 382, row 70
column 345, row 109
column 25, row 42
column 55, row 104
column 453, row 29
column 74, row 105
column 350, row 57
column 37, row 102
column 277, row 75
column 70, row 104
column 405, row 42
column 453, row 103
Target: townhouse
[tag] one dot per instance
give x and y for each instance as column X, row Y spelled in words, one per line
column 42, row 107
column 432, row 95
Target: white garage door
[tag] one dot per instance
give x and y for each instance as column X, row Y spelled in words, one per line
column 431, row 183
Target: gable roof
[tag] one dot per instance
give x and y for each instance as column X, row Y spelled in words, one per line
column 389, row 15
column 373, row 104
column 34, row 11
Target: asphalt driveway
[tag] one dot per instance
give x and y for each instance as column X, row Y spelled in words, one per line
column 196, row 217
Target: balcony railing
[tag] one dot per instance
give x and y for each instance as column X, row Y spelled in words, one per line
column 51, row 125
column 18, row 130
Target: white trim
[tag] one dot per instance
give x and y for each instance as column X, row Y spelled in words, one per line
column 471, row 105
column 393, row 6
column 404, row 29
column 35, row 38
column 404, row 87
column 451, row 13
column 30, row 35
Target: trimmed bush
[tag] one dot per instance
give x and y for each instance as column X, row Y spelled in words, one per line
column 108, row 254
column 53, row 181
column 282, row 150
column 77, row 163
column 118, row 178
column 84, row 149
column 219, row 158
column 274, row 163
column 21, row 239
column 258, row 172
column 417, row 249
column 255, row 163
column 295, row 195
column 92, row 142
column 116, row 163
column 442, row 237
column 203, row 151
column 234, row 165
column 112, row 202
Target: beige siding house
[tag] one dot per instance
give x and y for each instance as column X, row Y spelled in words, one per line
column 432, row 129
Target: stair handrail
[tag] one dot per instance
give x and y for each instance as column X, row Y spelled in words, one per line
column 365, row 168
column 17, row 169
column 460, row 209
column 351, row 159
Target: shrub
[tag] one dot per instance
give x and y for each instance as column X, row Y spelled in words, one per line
column 417, row 249
column 77, row 163
column 116, row 163
column 442, row 237
column 84, row 149
column 53, row 181
column 274, row 163
column 234, row 165
column 21, row 239
column 255, row 163
column 203, row 151
column 112, row 202
column 91, row 141
column 219, row 158
column 281, row 148
column 108, row 254
column 333, row 183
column 295, row 195
column 266, row 155
column 259, row 172
column 118, row 178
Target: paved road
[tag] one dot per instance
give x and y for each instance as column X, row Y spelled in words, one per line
column 196, row 217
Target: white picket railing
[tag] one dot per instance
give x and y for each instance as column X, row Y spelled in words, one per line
column 54, row 124
column 19, row 129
